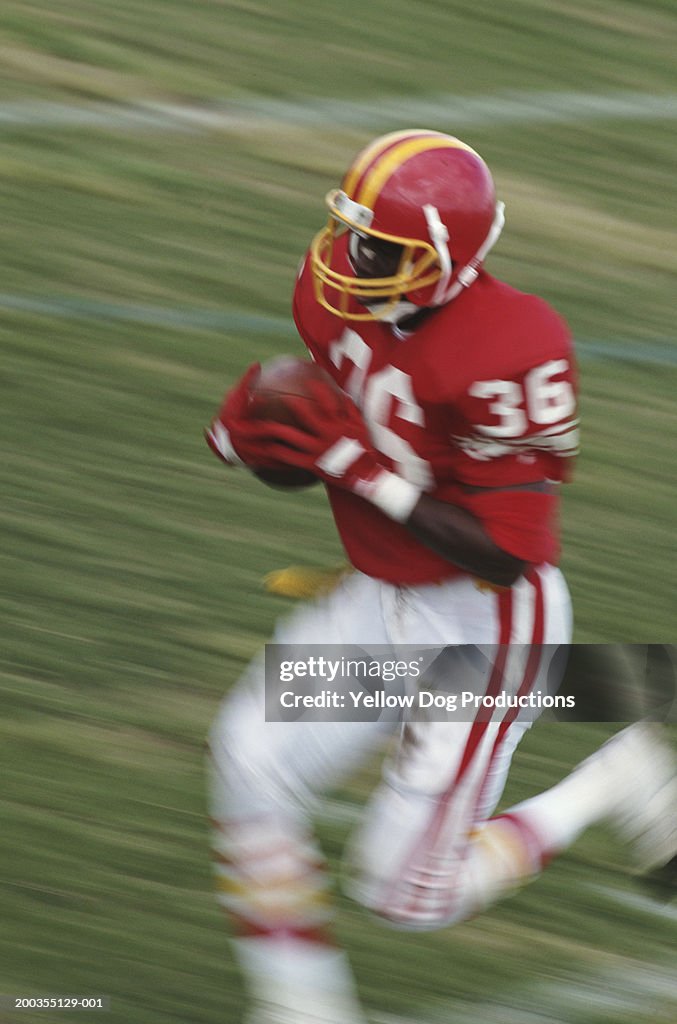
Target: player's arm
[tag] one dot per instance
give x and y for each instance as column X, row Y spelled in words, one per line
column 459, row 536
column 334, row 444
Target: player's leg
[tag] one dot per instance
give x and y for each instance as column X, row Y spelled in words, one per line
column 270, row 874
column 446, row 860
column 448, row 776
column 630, row 783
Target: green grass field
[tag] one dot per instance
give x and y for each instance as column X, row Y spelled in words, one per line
column 142, row 271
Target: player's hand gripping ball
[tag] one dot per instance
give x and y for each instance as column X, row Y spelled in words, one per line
column 279, row 380
column 291, row 424
column 265, row 394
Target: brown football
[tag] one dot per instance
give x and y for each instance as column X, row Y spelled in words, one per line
column 279, row 379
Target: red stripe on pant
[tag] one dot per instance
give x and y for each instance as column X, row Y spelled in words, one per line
column 425, row 845
column 528, row 680
column 525, row 687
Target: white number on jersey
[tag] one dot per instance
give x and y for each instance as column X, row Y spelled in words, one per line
column 541, row 400
column 355, row 349
column 548, row 400
column 508, row 399
column 375, row 397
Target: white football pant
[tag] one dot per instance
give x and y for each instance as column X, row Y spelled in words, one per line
column 409, row 859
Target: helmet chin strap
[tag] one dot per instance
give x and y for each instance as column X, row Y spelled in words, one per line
column 470, row 272
column 439, row 236
column 393, row 313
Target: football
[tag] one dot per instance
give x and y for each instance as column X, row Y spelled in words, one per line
column 279, row 379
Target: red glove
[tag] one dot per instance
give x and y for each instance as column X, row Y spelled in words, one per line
column 228, row 435
column 227, row 421
column 332, row 441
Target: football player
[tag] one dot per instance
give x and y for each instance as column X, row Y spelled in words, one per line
column 442, row 463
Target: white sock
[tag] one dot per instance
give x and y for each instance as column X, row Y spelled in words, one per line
column 562, row 813
column 271, row 878
column 309, row 981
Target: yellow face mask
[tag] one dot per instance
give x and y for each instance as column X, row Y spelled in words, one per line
column 418, row 265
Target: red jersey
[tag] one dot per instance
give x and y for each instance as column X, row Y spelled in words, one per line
column 477, row 401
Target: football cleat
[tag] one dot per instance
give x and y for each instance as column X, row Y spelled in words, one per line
column 642, row 771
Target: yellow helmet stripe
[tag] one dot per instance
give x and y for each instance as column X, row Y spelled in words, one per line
column 378, row 175
column 373, row 151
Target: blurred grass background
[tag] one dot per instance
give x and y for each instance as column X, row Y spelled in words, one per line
column 143, row 269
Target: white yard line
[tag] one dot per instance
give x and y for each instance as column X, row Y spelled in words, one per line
column 654, row 353
column 445, row 111
column 73, row 307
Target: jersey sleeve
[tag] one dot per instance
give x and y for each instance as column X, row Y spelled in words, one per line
column 515, row 431
column 521, row 423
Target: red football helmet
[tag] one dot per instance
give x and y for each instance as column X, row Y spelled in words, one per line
column 424, row 191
